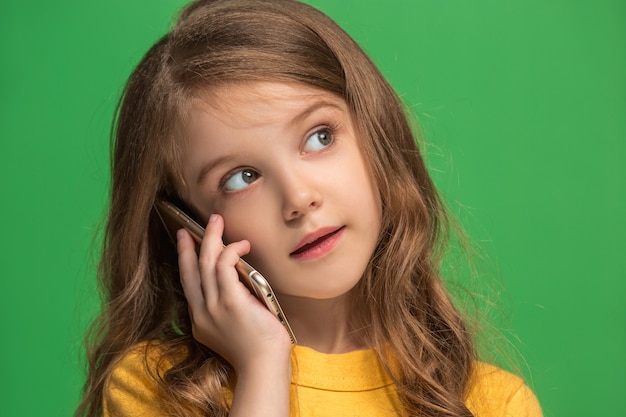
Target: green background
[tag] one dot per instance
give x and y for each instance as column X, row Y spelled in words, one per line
column 523, row 106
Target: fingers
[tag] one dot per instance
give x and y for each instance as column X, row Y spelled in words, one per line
column 217, row 263
column 227, row 278
column 225, row 316
column 188, row 267
column 197, row 273
column 210, row 251
column 211, row 275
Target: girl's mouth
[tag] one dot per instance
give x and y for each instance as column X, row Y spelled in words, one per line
column 319, row 246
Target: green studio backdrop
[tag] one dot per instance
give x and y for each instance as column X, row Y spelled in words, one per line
column 523, row 107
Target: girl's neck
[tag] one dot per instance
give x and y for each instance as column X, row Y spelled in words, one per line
column 322, row 325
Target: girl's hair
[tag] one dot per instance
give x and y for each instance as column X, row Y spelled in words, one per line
column 400, row 304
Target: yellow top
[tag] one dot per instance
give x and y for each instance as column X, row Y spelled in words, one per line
column 348, row 384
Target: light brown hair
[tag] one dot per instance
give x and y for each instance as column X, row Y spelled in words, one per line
column 404, row 309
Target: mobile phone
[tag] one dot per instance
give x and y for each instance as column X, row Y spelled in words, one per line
column 173, row 218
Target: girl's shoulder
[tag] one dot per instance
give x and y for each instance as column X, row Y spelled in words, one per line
column 134, row 381
column 496, row 392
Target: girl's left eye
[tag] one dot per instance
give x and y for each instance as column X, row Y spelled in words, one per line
column 240, row 179
column 319, row 140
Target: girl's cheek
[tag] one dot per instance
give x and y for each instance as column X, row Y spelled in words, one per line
column 237, row 229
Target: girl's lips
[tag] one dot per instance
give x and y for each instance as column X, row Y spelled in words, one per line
column 317, row 243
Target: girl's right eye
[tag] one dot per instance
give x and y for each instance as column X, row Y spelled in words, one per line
column 239, row 180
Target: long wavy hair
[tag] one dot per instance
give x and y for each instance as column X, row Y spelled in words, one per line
column 400, row 303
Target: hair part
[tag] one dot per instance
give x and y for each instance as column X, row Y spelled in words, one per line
column 408, row 318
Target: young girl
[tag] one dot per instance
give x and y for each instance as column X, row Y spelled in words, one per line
column 278, row 133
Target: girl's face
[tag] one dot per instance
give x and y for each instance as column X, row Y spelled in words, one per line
column 281, row 163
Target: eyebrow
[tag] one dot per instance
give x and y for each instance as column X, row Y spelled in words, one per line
column 212, row 164
column 317, row 105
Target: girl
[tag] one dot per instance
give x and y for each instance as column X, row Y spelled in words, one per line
column 277, row 131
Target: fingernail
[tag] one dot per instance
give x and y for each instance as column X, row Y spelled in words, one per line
column 212, row 218
column 180, row 233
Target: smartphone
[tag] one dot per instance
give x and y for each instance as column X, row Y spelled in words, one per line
column 173, row 218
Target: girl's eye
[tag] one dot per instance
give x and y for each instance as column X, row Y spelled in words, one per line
column 240, row 179
column 319, row 140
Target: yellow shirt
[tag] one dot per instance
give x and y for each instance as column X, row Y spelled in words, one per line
column 348, row 384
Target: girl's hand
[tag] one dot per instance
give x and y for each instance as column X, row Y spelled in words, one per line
column 225, row 316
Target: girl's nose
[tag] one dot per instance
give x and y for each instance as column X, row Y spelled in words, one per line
column 301, row 196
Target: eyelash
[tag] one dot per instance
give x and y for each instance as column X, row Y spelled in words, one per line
column 331, row 129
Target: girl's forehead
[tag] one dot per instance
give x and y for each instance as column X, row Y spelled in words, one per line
column 263, row 100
